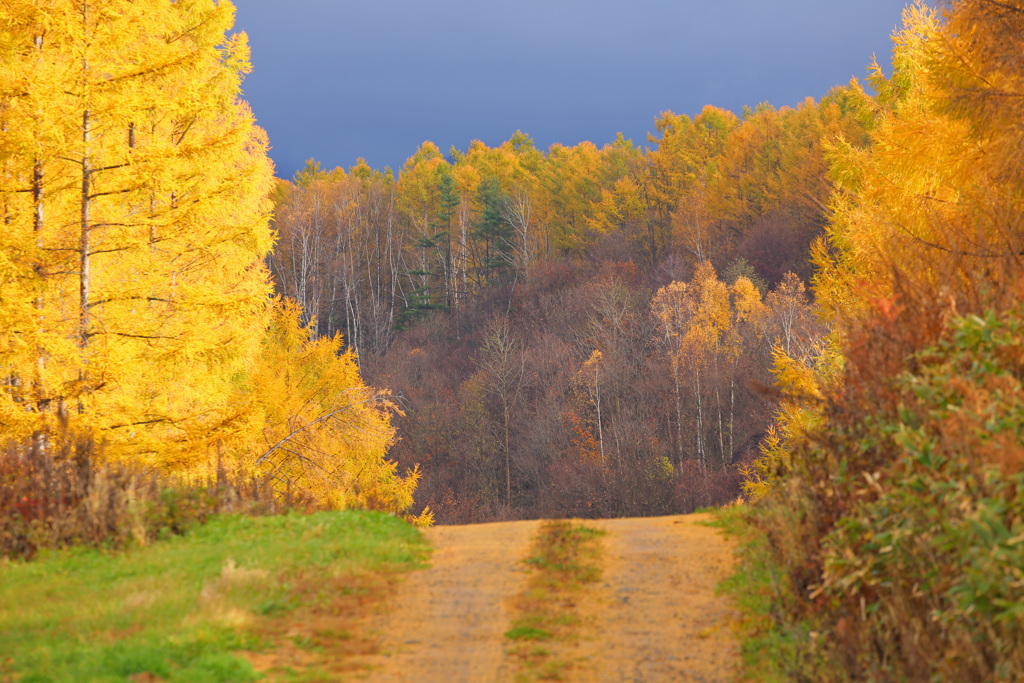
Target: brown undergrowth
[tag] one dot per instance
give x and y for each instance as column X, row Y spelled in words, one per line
column 565, row 560
column 324, row 634
column 62, row 492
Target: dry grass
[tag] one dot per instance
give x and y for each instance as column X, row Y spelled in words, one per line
column 64, row 494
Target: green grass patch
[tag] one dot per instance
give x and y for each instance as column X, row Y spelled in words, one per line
column 565, row 559
column 186, row 608
column 527, row 633
column 773, row 648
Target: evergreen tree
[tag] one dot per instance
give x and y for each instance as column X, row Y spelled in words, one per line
column 491, row 227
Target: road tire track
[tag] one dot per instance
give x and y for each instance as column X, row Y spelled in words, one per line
column 447, row 623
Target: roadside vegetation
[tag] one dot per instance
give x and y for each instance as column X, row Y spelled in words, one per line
column 236, row 598
column 888, row 540
column 761, row 590
column 564, row 561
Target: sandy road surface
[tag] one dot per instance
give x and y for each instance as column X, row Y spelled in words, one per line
column 654, row 617
column 447, row 623
column 659, row 618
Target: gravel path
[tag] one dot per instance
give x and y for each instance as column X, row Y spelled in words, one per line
column 660, row 619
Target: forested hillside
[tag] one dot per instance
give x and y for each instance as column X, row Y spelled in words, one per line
column 576, row 331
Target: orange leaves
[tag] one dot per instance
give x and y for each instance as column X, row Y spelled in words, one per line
column 911, row 211
column 713, row 308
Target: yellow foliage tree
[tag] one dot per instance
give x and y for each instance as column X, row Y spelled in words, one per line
column 897, row 201
column 136, row 207
column 930, row 211
column 134, row 299
column 318, row 428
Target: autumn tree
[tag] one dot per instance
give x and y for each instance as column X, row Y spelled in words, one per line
column 524, row 207
column 318, row 429
column 420, row 187
column 147, row 151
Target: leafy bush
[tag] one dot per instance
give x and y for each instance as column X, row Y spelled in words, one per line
column 901, row 529
column 931, row 549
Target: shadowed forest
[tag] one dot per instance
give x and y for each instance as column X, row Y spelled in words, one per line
column 575, row 332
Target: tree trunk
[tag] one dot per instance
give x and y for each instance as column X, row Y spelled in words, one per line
column 508, row 461
column 700, row 422
column 679, row 412
column 84, row 246
column 37, row 267
column 597, row 402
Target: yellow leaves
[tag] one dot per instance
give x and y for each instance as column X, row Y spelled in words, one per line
column 747, row 302
column 324, row 431
column 424, row 519
column 976, row 68
column 919, row 201
column 467, row 179
column 674, row 309
column 175, row 221
column 760, row 475
column 929, row 213
column 713, row 310
column 620, row 207
column 133, row 293
column 697, row 319
column 797, row 380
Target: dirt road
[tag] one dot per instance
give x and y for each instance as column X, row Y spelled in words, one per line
column 654, row 617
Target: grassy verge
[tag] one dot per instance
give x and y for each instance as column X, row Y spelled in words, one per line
column 565, row 559
column 235, row 597
column 772, row 647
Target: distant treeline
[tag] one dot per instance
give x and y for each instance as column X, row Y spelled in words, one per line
column 364, row 252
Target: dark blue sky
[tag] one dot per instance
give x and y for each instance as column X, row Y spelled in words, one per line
column 337, row 79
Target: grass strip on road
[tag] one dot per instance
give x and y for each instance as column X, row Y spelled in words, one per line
column 565, row 559
column 283, row 593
